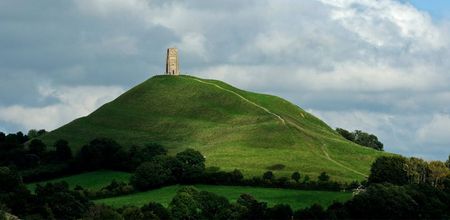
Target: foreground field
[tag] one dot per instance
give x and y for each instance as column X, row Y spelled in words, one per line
column 223, row 123
column 295, row 198
column 92, row 180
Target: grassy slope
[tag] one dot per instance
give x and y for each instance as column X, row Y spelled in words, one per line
column 92, row 180
column 295, row 198
column 232, row 132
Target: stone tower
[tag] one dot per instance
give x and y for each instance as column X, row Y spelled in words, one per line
column 172, row 66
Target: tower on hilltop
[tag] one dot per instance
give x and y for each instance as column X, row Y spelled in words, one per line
column 172, row 65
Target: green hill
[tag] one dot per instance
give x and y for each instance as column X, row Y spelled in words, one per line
column 231, row 127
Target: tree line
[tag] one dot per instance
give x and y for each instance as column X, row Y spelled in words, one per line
column 361, row 138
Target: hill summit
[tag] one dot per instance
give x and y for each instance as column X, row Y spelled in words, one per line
column 231, row 127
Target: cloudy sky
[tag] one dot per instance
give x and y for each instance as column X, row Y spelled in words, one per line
column 382, row 66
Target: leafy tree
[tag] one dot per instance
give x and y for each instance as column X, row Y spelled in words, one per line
column 447, row 163
column 37, row 147
column 193, row 164
column 150, row 175
column 383, row 202
column 268, row 176
column 102, row 212
column 210, row 204
column 2, row 137
column 64, row 203
column 13, row 193
column 361, row 138
column 63, row 151
column 296, row 176
column 236, row 176
column 392, row 169
column 184, row 206
column 306, row 179
column 279, row 212
column 418, row 170
column 316, row 211
column 254, row 209
column 100, row 153
column 346, row 134
column 157, row 210
column 368, row 140
column 438, row 173
column 133, row 213
column 324, row 177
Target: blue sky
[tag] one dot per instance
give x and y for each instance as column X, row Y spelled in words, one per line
column 379, row 66
column 436, row 8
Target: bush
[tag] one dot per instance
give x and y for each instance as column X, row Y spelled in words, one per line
column 150, row 175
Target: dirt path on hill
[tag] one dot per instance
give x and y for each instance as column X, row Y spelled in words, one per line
column 327, row 156
column 243, row 98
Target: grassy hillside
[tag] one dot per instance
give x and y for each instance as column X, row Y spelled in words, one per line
column 92, row 180
column 231, row 127
column 295, row 198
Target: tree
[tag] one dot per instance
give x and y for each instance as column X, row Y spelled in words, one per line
column 268, row 176
column 10, row 180
column 316, row 211
column 37, row 147
column 133, row 213
column 255, row 209
column 150, row 175
column 210, row 204
column 63, row 151
column 184, row 206
column 324, row 177
column 346, row 134
column 391, row 169
column 438, row 173
column 296, row 176
column 157, row 210
column 193, row 164
column 101, row 212
column 100, row 153
column 447, row 163
column 64, row 203
column 280, row 211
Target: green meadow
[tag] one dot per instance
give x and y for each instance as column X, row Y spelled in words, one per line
column 92, row 180
column 295, row 198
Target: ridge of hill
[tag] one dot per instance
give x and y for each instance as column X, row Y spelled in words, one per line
column 233, row 128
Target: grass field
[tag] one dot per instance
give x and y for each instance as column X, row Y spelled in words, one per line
column 92, row 180
column 295, row 198
column 231, row 127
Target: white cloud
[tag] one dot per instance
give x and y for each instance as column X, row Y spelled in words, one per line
column 72, row 102
column 436, row 131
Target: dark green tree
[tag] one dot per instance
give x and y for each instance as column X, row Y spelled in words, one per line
column 63, row 151
column 37, row 147
column 133, row 213
column 100, row 153
column 157, row 210
column 346, row 134
column 64, row 203
column 193, row 165
column 447, row 163
column 280, row 212
column 391, row 169
column 324, row 177
column 102, row 212
column 254, row 209
column 184, row 206
column 269, row 176
column 296, row 176
column 150, row 175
